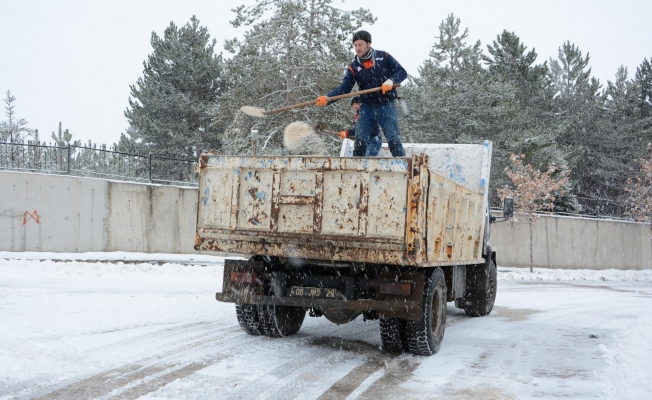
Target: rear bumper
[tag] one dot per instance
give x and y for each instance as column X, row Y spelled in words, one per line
column 382, row 306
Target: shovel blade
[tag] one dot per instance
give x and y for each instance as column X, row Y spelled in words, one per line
column 253, row 111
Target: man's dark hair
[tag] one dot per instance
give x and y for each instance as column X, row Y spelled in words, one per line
column 362, row 35
column 354, row 100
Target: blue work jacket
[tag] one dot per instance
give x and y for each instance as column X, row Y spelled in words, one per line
column 372, row 74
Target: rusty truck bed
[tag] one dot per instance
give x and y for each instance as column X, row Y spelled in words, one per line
column 369, row 210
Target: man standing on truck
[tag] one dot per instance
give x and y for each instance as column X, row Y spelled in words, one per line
column 375, row 142
column 371, row 69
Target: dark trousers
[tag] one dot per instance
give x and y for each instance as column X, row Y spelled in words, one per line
column 385, row 115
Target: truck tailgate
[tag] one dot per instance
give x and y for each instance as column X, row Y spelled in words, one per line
column 349, row 209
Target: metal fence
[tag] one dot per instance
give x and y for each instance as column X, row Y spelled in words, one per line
column 97, row 162
column 582, row 206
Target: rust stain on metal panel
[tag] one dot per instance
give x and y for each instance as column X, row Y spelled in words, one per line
column 215, row 205
column 388, row 164
column 437, row 248
column 297, row 200
column 339, row 212
column 415, row 214
column 276, row 194
column 387, row 204
column 461, row 224
column 451, row 223
column 308, row 251
column 318, row 203
column 438, row 207
column 471, row 230
column 254, row 201
column 235, row 194
column 363, row 206
column 208, row 232
column 478, row 239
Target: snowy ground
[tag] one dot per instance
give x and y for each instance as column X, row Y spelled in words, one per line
column 124, row 329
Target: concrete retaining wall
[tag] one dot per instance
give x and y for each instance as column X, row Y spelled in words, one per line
column 73, row 214
column 573, row 243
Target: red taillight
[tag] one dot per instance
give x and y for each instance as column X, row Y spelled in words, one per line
column 244, row 277
column 400, row 288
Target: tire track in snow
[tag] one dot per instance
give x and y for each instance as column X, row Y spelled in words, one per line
column 147, row 375
column 116, row 378
column 175, row 335
column 397, row 370
column 278, row 379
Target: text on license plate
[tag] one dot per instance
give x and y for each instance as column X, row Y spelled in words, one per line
column 326, row 293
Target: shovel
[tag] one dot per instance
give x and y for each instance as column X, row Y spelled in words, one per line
column 260, row 112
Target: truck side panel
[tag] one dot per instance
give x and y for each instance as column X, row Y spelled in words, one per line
column 454, row 222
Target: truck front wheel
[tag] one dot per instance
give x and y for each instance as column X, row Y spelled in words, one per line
column 280, row 321
column 482, row 282
column 424, row 336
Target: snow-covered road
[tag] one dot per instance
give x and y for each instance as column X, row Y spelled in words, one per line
column 82, row 329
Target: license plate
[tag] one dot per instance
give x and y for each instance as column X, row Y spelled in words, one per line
column 322, row 293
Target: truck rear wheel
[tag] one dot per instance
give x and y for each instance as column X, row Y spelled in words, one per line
column 247, row 315
column 425, row 335
column 280, row 321
column 482, row 284
column 392, row 334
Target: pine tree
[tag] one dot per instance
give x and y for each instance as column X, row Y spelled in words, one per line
column 455, row 100
column 169, row 107
column 529, row 132
column 644, row 80
column 294, row 51
column 511, row 63
column 446, row 95
column 14, row 129
column 62, row 139
column 615, row 139
column 576, row 106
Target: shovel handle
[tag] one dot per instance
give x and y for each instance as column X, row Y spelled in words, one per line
column 342, row 96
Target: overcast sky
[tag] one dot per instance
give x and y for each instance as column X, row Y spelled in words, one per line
column 73, row 60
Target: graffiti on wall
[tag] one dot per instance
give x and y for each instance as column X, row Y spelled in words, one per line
column 28, row 216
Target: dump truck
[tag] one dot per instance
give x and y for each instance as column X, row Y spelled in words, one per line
column 384, row 238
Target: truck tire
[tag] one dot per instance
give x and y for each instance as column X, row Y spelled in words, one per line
column 247, row 315
column 425, row 335
column 280, row 321
column 481, row 286
column 392, row 334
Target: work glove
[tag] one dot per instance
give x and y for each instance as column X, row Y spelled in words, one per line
column 322, row 101
column 387, row 86
column 344, row 135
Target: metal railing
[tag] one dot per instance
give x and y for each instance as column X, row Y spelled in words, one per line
column 582, row 206
column 97, row 162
